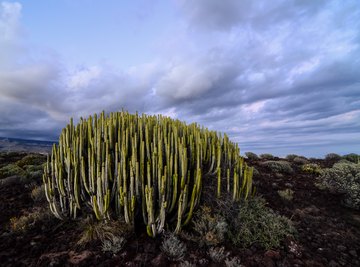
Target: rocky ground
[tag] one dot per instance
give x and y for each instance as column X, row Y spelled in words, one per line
column 327, row 233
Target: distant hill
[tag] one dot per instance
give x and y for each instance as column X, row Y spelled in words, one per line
column 20, row 145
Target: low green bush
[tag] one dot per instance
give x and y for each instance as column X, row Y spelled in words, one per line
column 333, row 157
column 300, row 160
column 218, row 254
column 311, row 168
column 286, row 194
column 11, row 170
column 255, row 223
column 111, row 234
column 31, row 159
column 210, row 227
column 251, row 156
column 343, row 178
column 352, row 157
column 278, row 166
column 266, row 156
column 113, row 244
column 173, row 247
column 28, row 221
column 35, row 175
column 38, row 193
column 291, row 157
column 33, row 168
column 233, row 262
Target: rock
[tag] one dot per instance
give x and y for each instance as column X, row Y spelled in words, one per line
column 248, row 252
column 353, row 253
column 341, row 248
column 294, row 248
column 53, row 259
column 312, row 210
column 11, row 180
column 203, row 262
column 333, row 263
column 76, row 258
column 5, row 234
column 342, row 263
column 272, row 254
column 139, row 257
column 159, row 260
column 298, row 263
column 313, row 263
column 124, row 254
column 267, row 262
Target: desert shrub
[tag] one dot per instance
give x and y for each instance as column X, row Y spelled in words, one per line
column 113, row 244
column 255, row 223
column 173, row 247
column 32, row 159
column 93, row 230
column 256, row 173
column 33, row 168
column 300, row 160
column 352, row 157
column 332, row 157
column 218, row 254
column 343, row 178
column 210, row 227
column 35, row 175
column 266, row 156
column 38, row 193
column 286, row 194
column 28, row 221
column 278, row 166
column 10, row 157
column 291, row 157
column 187, row 264
column 233, row 262
column 312, row 168
column 11, row 170
column 251, row 156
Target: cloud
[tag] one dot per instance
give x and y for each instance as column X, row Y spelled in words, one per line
column 280, row 77
column 188, row 80
column 83, row 78
column 9, row 20
column 224, row 15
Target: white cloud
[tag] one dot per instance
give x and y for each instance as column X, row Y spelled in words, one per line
column 83, row 78
column 187, row 81
column 10, row 14
column 275, row 75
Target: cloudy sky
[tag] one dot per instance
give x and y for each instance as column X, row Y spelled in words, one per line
column 279, row 76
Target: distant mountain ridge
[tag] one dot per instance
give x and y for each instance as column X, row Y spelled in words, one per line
column 8, row 144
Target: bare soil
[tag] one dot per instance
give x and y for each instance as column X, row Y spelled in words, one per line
column 328, row 233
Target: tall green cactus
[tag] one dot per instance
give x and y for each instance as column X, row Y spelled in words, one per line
column 126, row 165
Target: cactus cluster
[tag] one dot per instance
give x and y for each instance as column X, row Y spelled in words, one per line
column 130, row 166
